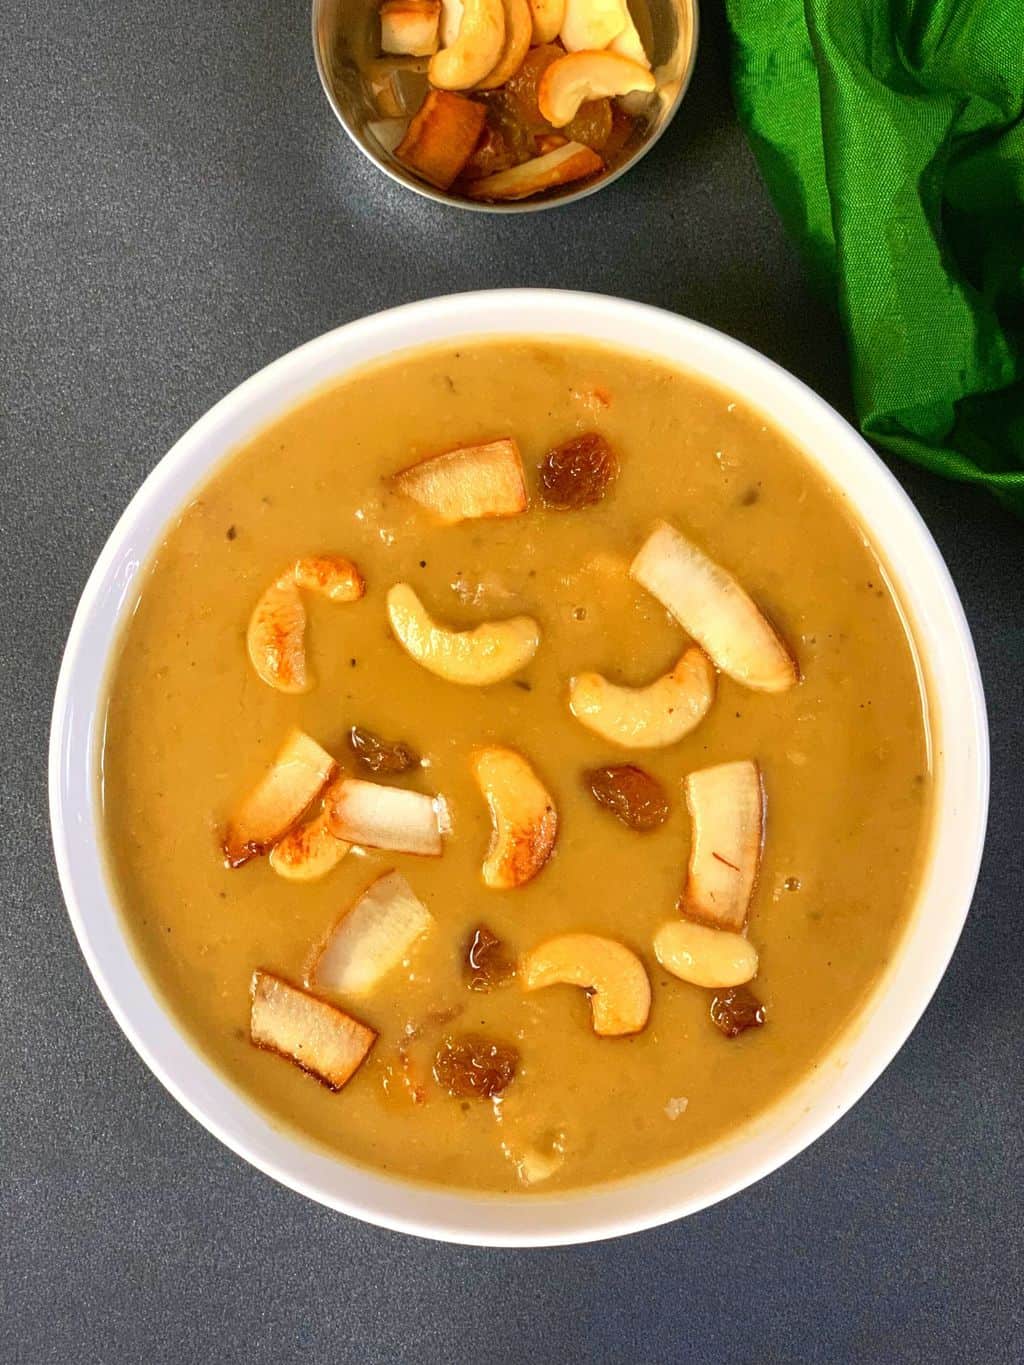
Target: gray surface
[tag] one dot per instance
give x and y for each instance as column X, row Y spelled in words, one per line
column 176, row 209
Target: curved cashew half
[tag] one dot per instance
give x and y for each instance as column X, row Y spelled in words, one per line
column 547, row 20
column 581, row 76
column 613, row 975
column 276, row 636
column 311, row 850
column 704, row 956
column 523, row 817
column 475, row 51
column 518, row 33
column 487, row 654
column 646, row 717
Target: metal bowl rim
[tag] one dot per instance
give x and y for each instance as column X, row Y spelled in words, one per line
column 520, row 206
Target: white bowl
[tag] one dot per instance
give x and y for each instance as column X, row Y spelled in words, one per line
column 959, row 734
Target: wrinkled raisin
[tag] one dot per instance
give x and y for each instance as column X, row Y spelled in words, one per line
column 592, row 124
column 376, row 755
column 518, row 97
column 473, row 1066
column 487, row 963
column 493, row 153
column 578, row 473
column 632, row 795
column 736, row 1009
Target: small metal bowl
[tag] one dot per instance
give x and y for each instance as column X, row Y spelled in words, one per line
column 346, row 46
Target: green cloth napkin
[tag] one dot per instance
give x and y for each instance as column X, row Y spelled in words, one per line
column 891, row 135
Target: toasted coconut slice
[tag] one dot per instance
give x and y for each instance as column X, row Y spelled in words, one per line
column 629, row 44
column 276, row 637
column 712, row 607
column 705, row 957
column 583, row 76
column 475, row 51
column 613, row 976
column 560, row 167
column 409, row 28
column 547, row 18
column 371, row 938
column 294, row 780
column 319, row 1037
column 475, row 658
column 310, row 851
column 518, row 32
column 472, row 481
column 646, row 717
column 726, row 805
column 523, row 818
column 441, row 137
column 332, row 576
column 375, row 816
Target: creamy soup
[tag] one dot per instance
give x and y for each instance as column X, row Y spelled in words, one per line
column 481, row 1075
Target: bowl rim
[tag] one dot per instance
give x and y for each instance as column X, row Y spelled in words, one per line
column 425, row 191
column 899, row 998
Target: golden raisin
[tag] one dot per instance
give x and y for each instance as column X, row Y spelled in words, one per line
column 487, row 963
column 503, row 119
column 578, row 473
column 736, row 1009
column 474, row 1067
column 376, row 755
column 592, row 124
column 519, row 95
column 632, row 795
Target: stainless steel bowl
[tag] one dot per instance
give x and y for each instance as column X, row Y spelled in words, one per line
column 345, row 43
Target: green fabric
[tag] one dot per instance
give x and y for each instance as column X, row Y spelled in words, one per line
column 891, row 135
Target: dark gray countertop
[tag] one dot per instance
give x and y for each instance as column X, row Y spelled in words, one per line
column 177, row 208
